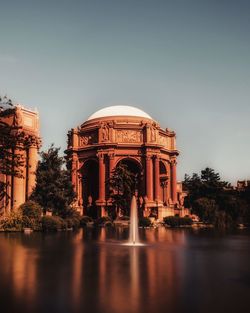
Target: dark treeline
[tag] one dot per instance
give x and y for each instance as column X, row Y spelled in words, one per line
column 216, row 201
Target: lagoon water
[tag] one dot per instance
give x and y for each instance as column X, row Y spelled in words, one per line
column 180, row 270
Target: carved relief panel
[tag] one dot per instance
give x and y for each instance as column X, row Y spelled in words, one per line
column 128, row 136
column 88, row 139
column 163, row 140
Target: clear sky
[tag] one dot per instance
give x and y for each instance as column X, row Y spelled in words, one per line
column 186, row 63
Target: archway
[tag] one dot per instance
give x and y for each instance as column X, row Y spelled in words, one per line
column 121, row 200
column 163, row 183
column 90, row 187
column 135, row 167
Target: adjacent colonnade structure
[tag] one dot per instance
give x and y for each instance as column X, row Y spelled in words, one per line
column 20, row 187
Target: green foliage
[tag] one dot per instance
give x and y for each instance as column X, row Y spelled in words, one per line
column 84, row 220
column 214, row 201
column 176, row 221
column 104, row 221
column 28, row 215
column 54, row 190
column 14, row 221
column 53, row 223
column 122, row 185
column 144, row 222
column 31, row 209
column 72, row 222
column 205, row 208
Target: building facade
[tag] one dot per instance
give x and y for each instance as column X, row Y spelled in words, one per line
column 124, row 134
column 20, row 187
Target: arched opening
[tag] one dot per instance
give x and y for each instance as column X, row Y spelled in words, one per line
column 163, row 183
column 124, row 184
column 90, row 187
column 134, row 167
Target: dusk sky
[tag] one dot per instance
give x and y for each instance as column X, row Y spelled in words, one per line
column 186, row 63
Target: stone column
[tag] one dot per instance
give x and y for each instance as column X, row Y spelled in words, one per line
column 149, row 178
column 74, row 173
column 101, row 177
column 157, row 178
column 9, row 200
column 111, row 163
column 19, row 186
column 32, row 165
column 173, row 181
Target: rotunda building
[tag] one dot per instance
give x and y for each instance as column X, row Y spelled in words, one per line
column 127, row 135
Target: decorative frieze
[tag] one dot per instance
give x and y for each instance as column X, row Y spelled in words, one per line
column 88, row 139
column 163, row 140
column 128, row 136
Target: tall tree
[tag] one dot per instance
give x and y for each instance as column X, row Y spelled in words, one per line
column 214, row 200
column 122, row 184
column 54, row 190
column 12, row 142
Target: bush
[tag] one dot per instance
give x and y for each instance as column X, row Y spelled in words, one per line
column 124, row 218
column 103, row 221
column 84, row 220
column 176, row 221
column 72, row 222
column 144, row 222
column 31, row 209
column 13, row 221
column 53, row 223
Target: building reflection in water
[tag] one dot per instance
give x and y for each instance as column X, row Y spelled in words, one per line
column 69, row 272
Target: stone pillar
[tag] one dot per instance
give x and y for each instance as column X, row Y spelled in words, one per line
column 111, row 163
column 101, row 177
column 32, row 165
column 74, row 172
column 173, row 181
column 149, row 178
column 19, row 186
column 157, row 178
column 9, row 199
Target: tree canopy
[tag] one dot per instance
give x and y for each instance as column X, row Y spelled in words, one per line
column 122, row 184
column 214, row 200
column 54, row 190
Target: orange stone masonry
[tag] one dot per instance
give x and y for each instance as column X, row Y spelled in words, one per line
column 130, row 136
column 20, row 188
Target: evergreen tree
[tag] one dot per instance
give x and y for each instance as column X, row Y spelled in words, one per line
column 122, row 184
column 214, row 200
column 54, row 190
column 12, row 142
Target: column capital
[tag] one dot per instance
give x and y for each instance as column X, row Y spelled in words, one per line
column 100, row 154
column 173, row 162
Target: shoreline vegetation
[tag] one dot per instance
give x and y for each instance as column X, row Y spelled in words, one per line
column 29, row 217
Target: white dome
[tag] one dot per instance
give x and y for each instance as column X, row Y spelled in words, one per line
column 119, row 110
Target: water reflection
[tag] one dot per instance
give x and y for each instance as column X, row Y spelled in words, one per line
column 90, row 271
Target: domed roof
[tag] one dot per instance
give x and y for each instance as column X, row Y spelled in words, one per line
column 119, row 110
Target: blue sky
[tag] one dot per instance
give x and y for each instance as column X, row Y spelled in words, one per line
column 186, row 63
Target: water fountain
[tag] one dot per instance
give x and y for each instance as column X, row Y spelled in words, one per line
column 133, row 228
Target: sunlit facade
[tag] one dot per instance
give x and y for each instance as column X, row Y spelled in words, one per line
column 124, row 134
column 20, row 187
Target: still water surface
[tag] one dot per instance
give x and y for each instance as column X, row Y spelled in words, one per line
column 90, row 271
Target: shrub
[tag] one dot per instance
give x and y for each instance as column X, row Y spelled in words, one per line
column 176, row 221
column 84, row 220
column 72, row 222
column 144, row 222
column 53, row 223
column 103, row 221
column 13, row 221
column 31, row 209
column 124, row 218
